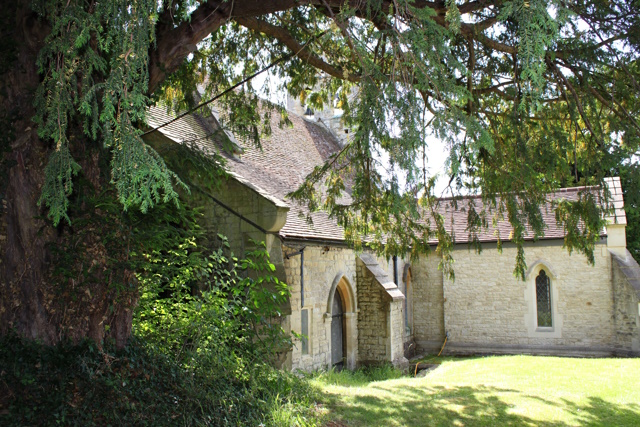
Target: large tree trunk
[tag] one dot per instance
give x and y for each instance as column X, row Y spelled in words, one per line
column 58, row 283
column 35, row 302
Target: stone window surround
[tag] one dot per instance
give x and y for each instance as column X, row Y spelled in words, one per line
column 531, row 315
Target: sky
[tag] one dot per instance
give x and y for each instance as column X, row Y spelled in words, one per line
column 438, row 151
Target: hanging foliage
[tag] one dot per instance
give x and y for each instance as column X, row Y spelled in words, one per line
column 528, row 96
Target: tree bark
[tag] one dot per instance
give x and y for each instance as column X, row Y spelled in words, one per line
column 32, row 303
column 24, row 257
column 36, row 300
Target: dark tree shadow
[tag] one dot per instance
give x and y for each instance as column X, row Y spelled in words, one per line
column 469, row 406
column 599, row 412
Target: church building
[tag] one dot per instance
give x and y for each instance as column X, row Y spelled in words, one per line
column 356, row 309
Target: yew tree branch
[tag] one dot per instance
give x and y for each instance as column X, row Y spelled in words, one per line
column 303, row 52
column 175, row 43
column 566, row 83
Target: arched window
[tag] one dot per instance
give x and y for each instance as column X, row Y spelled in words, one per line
column 543, row 300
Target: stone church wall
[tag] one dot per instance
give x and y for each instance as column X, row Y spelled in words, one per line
column 626, row 310
column 488, row 310
column 373, row 319
column 381, row 320
column 403, row 327
column 238, row 196
column 396, row 333
column 217, row 219
column 323, row 265
column 402, row 315
column 428, row 304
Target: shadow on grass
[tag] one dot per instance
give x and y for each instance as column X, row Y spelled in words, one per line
column 599, row 412
column 469, row 406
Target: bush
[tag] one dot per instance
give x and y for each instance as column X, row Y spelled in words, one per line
column 78, row 385
column 204, row 333
column 212, row 308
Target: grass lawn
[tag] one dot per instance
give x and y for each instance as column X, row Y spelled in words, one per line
column 489, row 391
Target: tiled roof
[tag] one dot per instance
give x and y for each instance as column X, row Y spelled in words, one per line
column 615, row 188
column 289, row 154
column 456, row 215
column 499, row 228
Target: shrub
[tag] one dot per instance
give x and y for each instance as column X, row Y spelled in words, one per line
column 79, row 385
column 204, row 334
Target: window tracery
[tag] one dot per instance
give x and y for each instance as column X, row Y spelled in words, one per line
column 543, row 300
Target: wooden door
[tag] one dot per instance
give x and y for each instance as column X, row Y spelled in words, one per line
column 337, row 331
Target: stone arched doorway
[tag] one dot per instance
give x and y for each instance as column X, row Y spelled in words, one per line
column 341, row 310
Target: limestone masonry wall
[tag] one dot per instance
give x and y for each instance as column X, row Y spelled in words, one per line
column 217, row 219
column 373, row 319
column 403, row 331
column 396, row 332
column 322, row 266
column 428, row 304
column 626, row 316
column 487, row 309
column 236, row 195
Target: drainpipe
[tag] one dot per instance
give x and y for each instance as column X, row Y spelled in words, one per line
column 395, row 269
column 302, row 277
column 444, row 323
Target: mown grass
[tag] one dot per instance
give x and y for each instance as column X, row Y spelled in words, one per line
column 489, row 391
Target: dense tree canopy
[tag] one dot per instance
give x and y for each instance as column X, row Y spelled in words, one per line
column 528, row 96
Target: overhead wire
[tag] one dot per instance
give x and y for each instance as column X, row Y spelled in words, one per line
column 240, row 83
